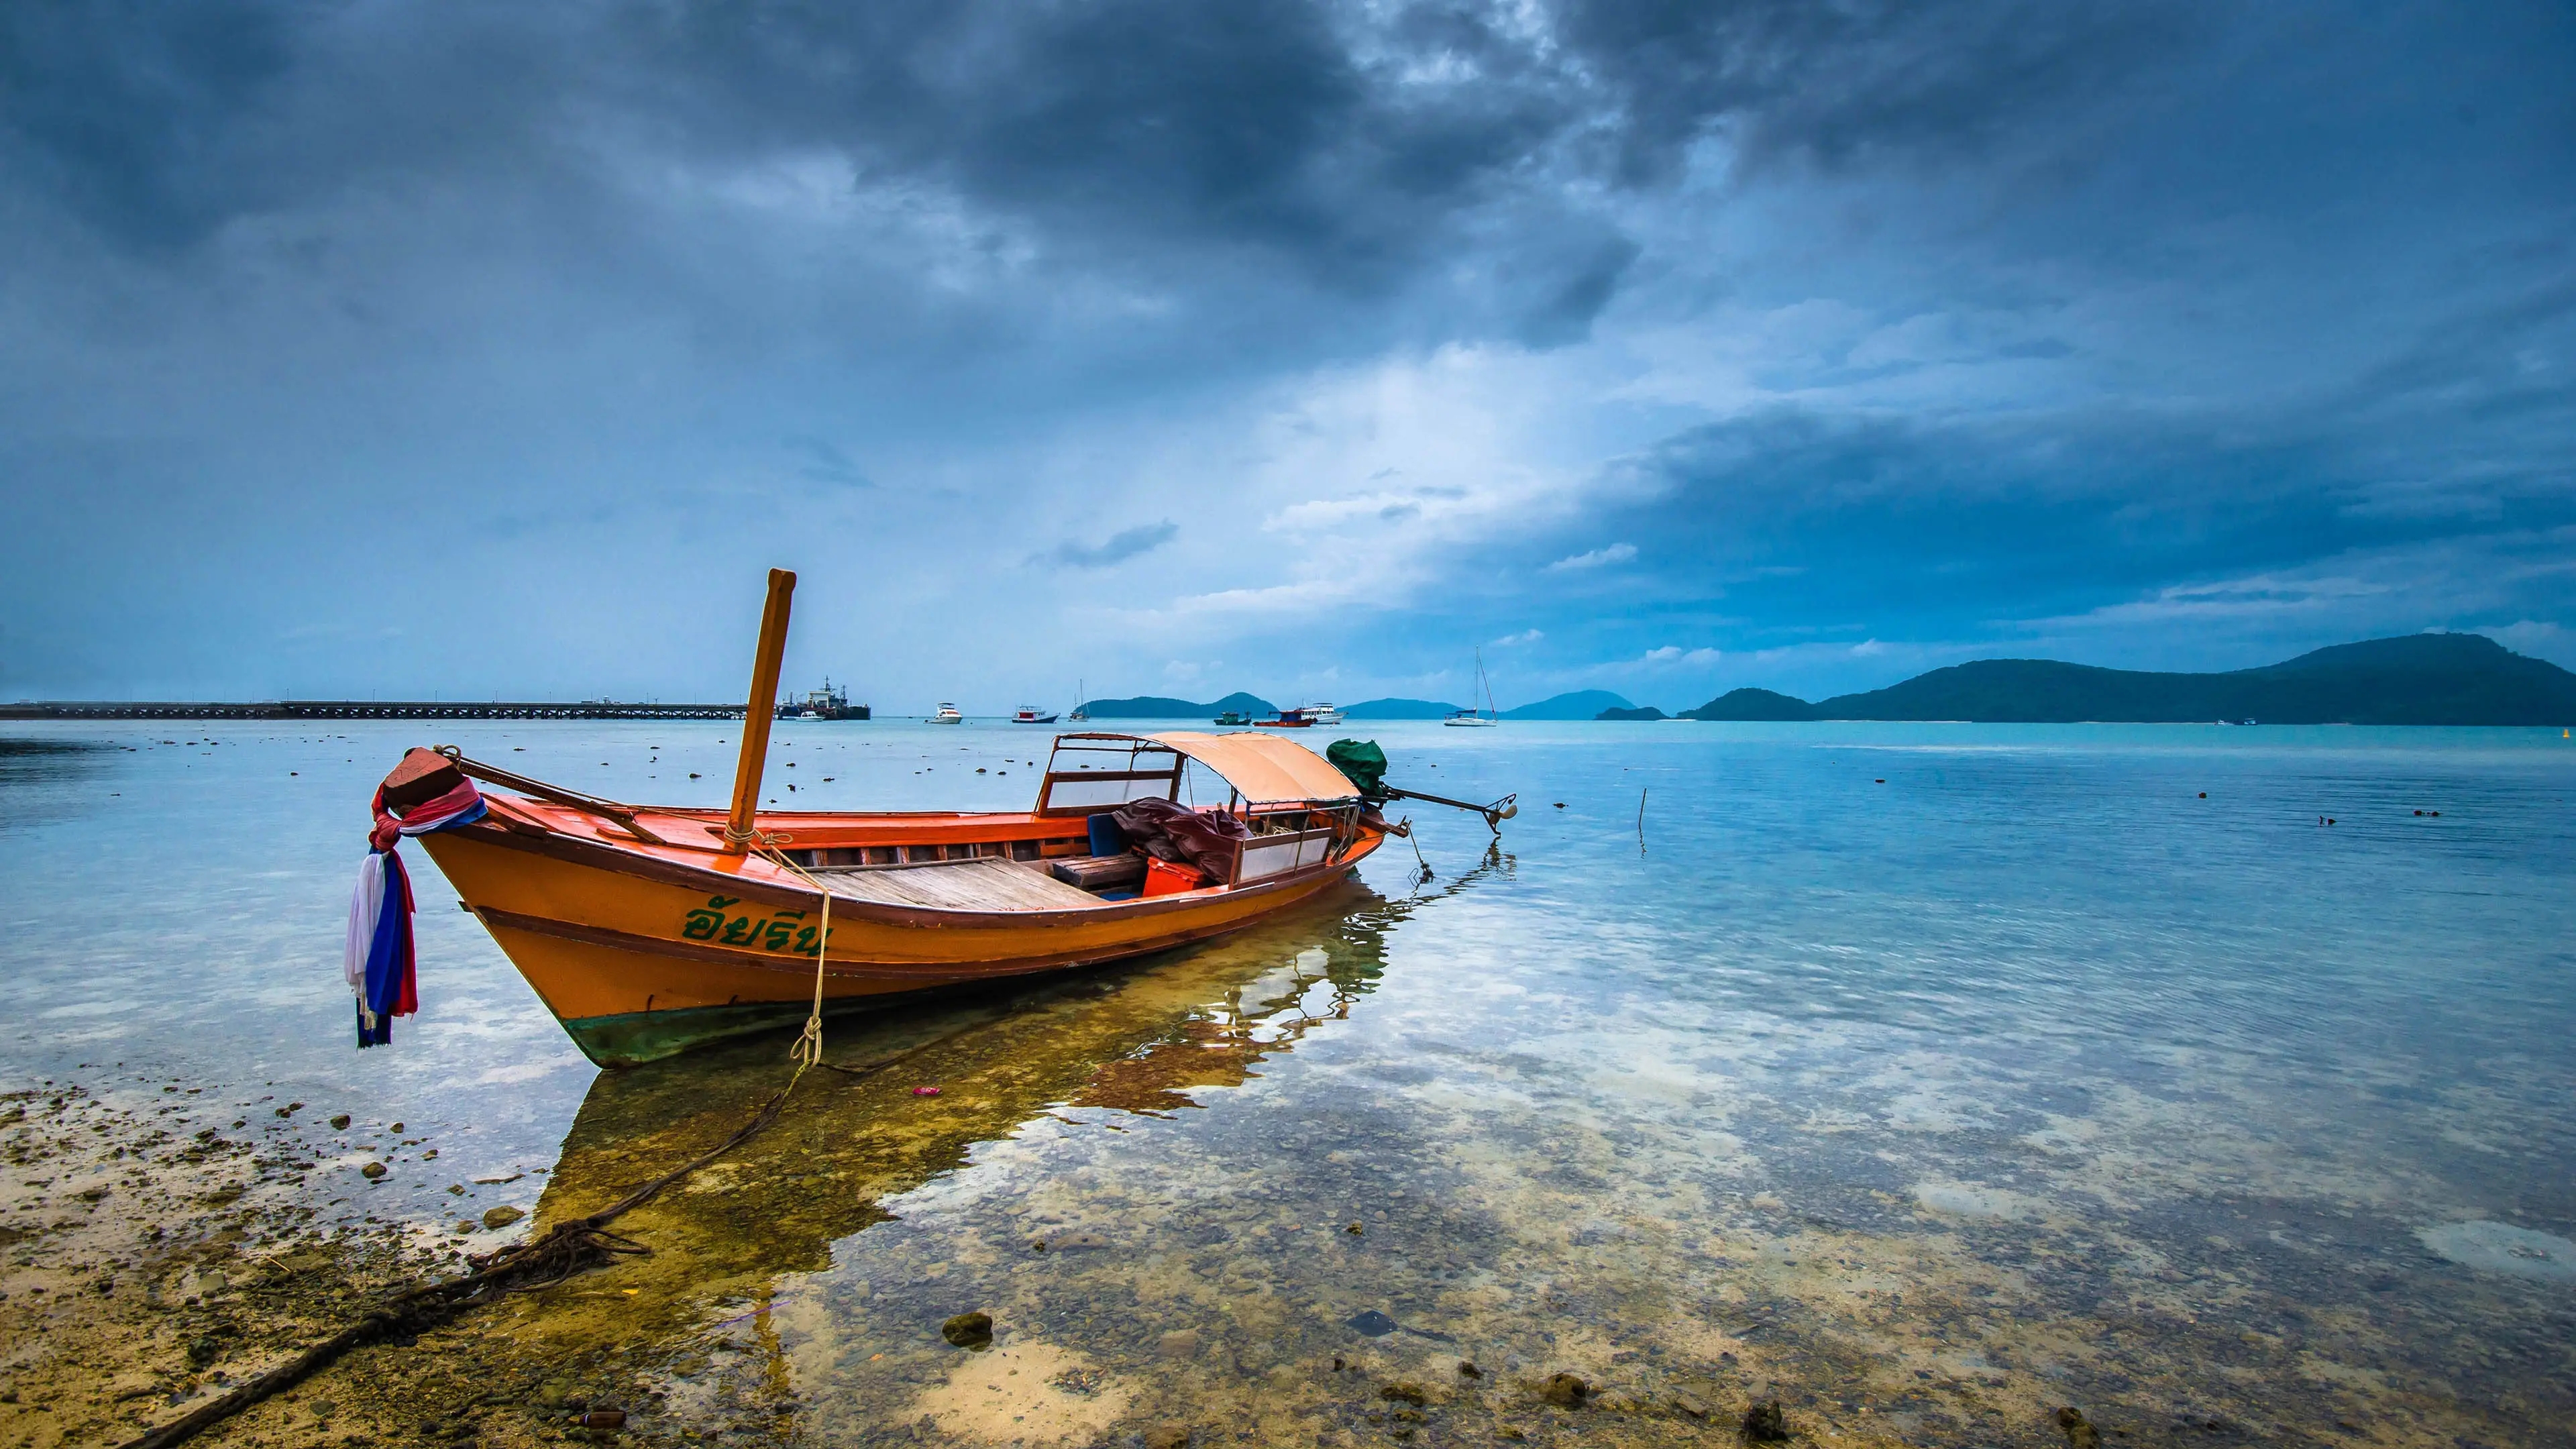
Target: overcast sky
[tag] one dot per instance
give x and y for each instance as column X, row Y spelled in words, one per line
column 1179, row 348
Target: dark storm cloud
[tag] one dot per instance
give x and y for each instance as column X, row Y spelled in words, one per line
column 1927, row 321
column 1351, row 142
column 1793, row 525
column 132, row 113
column 1834, row 83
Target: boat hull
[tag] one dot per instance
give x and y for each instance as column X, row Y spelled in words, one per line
column 640, row 956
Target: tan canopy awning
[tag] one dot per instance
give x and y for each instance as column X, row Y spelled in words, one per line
column 1266, row 769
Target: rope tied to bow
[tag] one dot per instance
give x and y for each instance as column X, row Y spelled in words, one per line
column 808, row 1050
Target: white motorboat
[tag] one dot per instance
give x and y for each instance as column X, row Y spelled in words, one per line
column 947, row 714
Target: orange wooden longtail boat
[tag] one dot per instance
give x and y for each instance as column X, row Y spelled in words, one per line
column 649, row 930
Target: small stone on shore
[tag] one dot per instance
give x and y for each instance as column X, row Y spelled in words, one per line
column 969, row 1330
column 501, row 1217
column 1764, row 1423
column 1566, row 1391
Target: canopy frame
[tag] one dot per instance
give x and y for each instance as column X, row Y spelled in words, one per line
column 1301, row 810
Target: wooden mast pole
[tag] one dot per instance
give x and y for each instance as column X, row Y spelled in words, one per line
column 762, row 711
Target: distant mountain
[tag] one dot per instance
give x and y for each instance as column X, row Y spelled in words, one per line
column 1400, row 709
column 1581, row 704
column 1647, row 713
column 2415, row 679
column 1753, row 704
column 1158, row 706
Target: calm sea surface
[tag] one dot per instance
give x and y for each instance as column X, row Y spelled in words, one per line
column 1927, row 1076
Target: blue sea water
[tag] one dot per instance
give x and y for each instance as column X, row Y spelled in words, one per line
column 1922, row 1075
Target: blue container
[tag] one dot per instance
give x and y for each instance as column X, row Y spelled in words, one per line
column 1106, row 837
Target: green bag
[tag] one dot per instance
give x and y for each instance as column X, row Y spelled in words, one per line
column 1363, row 764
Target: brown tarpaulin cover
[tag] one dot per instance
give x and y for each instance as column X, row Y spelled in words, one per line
column 1169, row 831
column 1265, row 769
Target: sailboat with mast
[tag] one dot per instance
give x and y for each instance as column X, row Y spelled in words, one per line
column 1471, row 717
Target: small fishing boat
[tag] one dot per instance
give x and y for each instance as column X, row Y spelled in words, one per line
column 1028, row 714
column 1288, row 719
column 1471, row 717
column 946, row 714
column 1234, row 717
column 650, row 929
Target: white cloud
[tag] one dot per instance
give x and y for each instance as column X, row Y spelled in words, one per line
column 1617, row 553
column 1675, row 654
column 1526, row 636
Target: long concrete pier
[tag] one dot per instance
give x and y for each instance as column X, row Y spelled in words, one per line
column 285, row 709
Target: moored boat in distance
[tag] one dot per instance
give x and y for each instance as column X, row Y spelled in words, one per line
column 830, row 703
column 1322, row 714
column 1288, row 719
column 1234, row 717
column 1472, row 718
column 946, row 714
column 1028, row 714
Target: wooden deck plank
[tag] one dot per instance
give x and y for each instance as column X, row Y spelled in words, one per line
column 987, row 884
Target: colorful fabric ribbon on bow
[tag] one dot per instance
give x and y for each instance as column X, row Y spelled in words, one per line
column 379, row 961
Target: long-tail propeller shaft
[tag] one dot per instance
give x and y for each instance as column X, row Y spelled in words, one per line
column 1495, row 814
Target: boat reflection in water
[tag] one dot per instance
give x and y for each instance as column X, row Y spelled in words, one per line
column 1091, row 1049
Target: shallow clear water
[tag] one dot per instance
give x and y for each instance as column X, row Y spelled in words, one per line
column 1927, row 1076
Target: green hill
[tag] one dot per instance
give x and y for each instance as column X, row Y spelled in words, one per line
column 1648, row 713
column 2415, row 679
column 1400, row 709
column 1581, row 704
column 1158, row 706
column 1752, row 704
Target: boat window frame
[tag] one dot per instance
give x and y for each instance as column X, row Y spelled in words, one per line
column 1130, row 746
